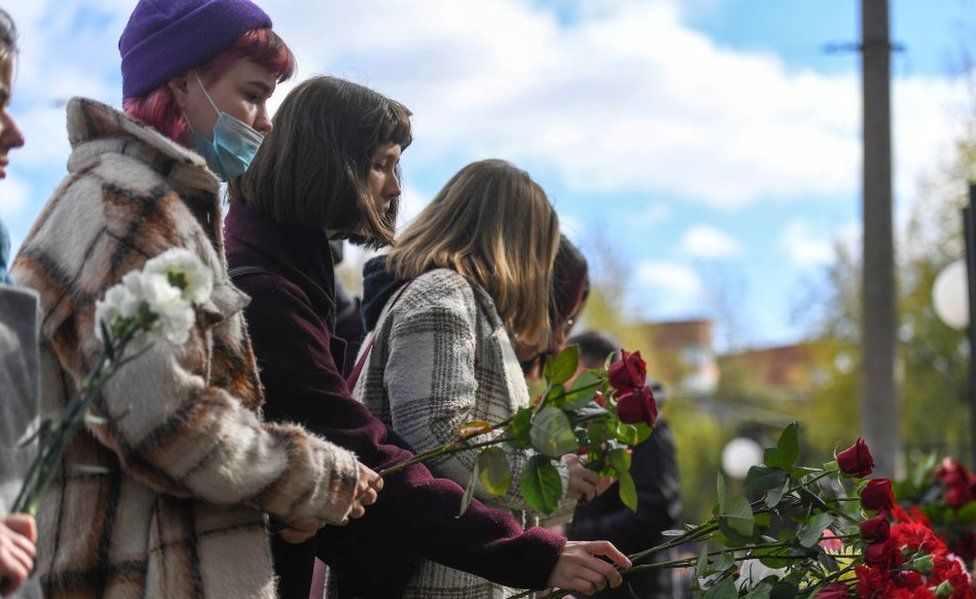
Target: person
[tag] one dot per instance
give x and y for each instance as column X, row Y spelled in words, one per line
column 184, row 468
column 18, row 365
column 655, row 472
column 570, row 290
column 475, row 269
column 329, row 169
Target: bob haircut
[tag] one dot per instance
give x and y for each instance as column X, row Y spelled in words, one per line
column 159, row 109
column 312, row 167
column 494, row 225
column 570, row 281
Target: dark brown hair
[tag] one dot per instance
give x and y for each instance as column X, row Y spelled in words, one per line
column 312, row 166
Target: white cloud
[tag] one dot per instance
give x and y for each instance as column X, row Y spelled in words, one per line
column 677, row 281
column 412, row 202
column 704, row 241
column 805, row 246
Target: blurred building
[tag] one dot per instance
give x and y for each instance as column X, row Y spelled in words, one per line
column 683, row 354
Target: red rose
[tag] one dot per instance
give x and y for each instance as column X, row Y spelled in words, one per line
column 856, row 460
column 876, row 529
column 884, row 554
column 908, row 579
column 877, row 495
column 873, row 582
column 834, row 590
column 638, row 405
column 629, row 373
column 958, row 484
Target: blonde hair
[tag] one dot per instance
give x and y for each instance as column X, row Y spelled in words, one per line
column 494, row 225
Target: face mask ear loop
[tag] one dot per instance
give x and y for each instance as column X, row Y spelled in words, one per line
column 206, row 95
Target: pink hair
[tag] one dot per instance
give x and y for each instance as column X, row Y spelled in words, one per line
column 159, row 108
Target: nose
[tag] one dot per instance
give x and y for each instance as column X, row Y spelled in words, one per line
column 392, row 188
column 262, row 124
column 10, row 135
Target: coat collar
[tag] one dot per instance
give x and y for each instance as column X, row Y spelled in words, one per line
column 95, row 128
column 299, row 252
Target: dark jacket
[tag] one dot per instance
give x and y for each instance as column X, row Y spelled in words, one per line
column 290, row 319
column 655, row 471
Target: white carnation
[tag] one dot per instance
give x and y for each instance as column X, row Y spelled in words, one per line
column 184, row 265
column 109, row 309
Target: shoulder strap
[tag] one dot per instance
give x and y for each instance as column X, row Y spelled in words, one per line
column 243, row 271
column 368, row 346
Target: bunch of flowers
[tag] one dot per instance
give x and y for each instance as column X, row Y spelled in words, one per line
column 815, row 532
column 157, row 301
column 601, row 413
column 943, row 496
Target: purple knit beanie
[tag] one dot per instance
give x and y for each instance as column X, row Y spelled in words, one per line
column 166, row 38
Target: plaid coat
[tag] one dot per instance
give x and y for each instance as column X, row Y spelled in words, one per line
column 188, row 463
column 442, row 357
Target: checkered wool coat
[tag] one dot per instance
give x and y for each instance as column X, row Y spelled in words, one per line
column 189, row 465
column 442, row 357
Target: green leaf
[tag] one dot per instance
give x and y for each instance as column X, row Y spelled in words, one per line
column 561, row 368
column 628, row 433
column 723, row 590
column 493, row 471
column 628, row 491
column 789, row 444
column 582, row 392
column 774, row 496
column 739, row 516
column 554, row 397
column 620, row 460
column 701, row 563
column 967, row 514
column 762, row 478
column 518, row 429
column 723, row 561
column 772, row 557
column 552, row 434
column 469, row 491
column 760, row 591
column 784, row 590
column 541, row 485
column 813, row 529
column 720, row 489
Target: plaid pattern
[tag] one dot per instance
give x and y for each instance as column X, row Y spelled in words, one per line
column 442, row 357
column 189, row 466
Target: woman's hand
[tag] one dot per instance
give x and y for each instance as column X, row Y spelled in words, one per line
column 17, row 536
column 578, row 568
column 583, row 483
column 367, row 489
column 369, row 485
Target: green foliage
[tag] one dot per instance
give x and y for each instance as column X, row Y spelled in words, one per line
column 552, row 434
column 541, row 485
column 494, row 471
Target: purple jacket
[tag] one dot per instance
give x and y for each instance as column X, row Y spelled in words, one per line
column 290, row 319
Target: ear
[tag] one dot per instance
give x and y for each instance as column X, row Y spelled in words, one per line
column 179, row 87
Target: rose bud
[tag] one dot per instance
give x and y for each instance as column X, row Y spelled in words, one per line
column 877, row 495
column 876, row 529
column 628, row 373
column 638, row 405
column 856, row 460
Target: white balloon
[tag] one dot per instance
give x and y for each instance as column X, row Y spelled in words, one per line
column 950, row 295
column 739, row 455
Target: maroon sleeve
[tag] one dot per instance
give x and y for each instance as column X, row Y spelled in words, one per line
column 302, row 384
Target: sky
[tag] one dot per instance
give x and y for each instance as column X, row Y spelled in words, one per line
column 712, row 145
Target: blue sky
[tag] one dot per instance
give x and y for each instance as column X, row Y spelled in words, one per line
column 712, row 144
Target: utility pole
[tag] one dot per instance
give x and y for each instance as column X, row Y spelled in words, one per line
column 879, row 399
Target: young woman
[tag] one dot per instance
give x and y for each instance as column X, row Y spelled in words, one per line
column 18, row 366
column 329, row 169
column 187, row 466
column 476, row 269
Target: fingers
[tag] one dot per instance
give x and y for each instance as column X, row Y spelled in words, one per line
column 582, row 585
column 377, row 484
column 604, row 571
column 25, row 545
column 357, row 511
column 291, row 535
column 607, row 549
column 368, row 497
column 23, row 524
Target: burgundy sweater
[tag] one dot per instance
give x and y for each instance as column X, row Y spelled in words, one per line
column 291, row 319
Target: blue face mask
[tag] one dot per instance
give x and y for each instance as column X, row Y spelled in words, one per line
column 233, row 146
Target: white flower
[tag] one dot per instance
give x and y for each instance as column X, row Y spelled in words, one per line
column 175, row 314
column 109, row 309
column 183, row 266
column 753, row 571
